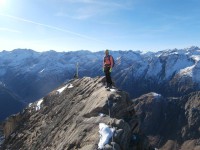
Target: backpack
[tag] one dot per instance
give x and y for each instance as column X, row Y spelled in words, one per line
column 109, row 59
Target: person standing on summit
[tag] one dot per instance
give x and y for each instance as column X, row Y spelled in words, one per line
column 108, row 63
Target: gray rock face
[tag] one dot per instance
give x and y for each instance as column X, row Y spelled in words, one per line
column 68, row 118
column 170, row 123
column 11, row 124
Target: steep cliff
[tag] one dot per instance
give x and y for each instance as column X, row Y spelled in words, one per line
column 171, row 123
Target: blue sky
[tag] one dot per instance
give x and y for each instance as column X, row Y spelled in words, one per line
column 67, row 25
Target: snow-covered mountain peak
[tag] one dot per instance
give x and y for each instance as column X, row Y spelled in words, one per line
column 196, row 58
column 130, row 66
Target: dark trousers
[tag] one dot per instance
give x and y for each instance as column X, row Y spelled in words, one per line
column 108, row 75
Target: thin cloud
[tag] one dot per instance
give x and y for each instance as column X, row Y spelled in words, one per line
column 9, row 30
column 50, row 27
column 99, row 2
column 102, row 3
column 86, row 9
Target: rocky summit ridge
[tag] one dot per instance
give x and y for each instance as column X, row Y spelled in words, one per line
column 69, row 118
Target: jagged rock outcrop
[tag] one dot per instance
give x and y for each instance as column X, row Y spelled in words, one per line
column 170, row 123
column 69, row 117
column 11, row 124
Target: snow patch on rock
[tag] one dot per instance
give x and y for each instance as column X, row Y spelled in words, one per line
column 187, row 71
column 112, row 90
column 38, row 106
column 196, row 57
column 105, row 134
column 156, row 95
column 63, row 88
column 41, row 71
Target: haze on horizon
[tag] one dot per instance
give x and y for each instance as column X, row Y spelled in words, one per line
column 67, row 25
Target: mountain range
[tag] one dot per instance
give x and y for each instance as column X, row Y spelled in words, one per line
column 164, row 86
column 31, row 75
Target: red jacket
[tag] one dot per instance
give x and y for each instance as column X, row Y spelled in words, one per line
column 108, row 60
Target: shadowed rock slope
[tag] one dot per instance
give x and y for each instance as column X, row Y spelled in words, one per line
column 69, row 119
column 9, row 103
column 1, row 135
column 171, row 123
